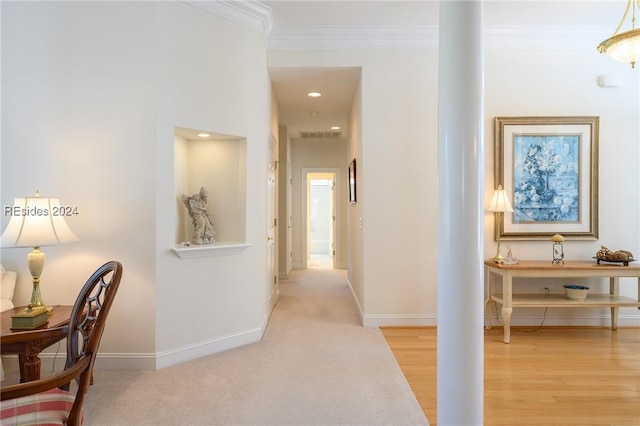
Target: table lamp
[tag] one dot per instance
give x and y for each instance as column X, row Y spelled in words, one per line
column 36, row 222
column 499, row 204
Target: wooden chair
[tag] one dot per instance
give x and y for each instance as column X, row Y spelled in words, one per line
column 48, row 400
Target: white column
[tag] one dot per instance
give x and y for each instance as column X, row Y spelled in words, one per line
column 460, row 214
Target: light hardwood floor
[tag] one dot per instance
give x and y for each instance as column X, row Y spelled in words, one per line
column 547, row 376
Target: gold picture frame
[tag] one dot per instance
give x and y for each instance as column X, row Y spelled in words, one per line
column 548, row 167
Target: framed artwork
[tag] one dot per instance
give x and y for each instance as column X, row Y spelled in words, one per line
column 352, row 181
column 548, row 167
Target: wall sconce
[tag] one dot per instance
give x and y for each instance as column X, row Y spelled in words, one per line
column 36, row 222
column 499, row 204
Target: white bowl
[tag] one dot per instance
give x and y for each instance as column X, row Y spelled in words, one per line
column 576, row 292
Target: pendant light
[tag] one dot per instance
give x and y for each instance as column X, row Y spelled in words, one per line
column 624, row 46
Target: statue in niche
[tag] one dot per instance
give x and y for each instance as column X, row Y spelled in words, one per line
column 203, row 231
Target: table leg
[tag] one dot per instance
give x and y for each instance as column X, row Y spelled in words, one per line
column 487, row 311
column 614, row 289
column 487, row 289
column 507, row 306
column 506, row 323
column 614, row 317
column 29, row 367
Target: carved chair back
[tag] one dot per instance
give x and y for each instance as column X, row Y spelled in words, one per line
column 86, row 325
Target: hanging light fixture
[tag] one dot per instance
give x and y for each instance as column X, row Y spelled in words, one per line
column 624, row 46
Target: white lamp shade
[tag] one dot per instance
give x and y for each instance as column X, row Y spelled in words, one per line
column 35, row 222
column 500, row 201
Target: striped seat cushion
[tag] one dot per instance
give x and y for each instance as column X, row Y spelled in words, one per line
column 47, row 408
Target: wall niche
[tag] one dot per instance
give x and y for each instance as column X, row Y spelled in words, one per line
column 219, row 163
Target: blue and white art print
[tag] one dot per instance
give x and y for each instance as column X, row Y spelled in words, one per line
column 546, row 178
column 548, row 167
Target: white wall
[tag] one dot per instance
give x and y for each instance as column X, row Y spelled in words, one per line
column 563, row 83
column 91, row 95
column 354, row 211
column 396, row 283
column 392, row 268
column 79, row 122
column 208, row 304
column 285, row 254
column 96, row 89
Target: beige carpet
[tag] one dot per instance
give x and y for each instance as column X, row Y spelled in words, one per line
column 315, row 366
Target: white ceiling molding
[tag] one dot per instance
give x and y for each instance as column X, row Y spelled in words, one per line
column 250, row 13
column 328, row 37
column 349, row 37
column 551, row 38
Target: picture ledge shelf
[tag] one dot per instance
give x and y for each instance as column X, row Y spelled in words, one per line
column 209, row 250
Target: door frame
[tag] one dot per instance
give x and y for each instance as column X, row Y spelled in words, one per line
column 272, row 286
column 336, row 208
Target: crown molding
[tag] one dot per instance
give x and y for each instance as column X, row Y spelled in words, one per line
column 571, row 38
column 249, row 13
column 348, row 37
column 328, row 37
column 258, row 17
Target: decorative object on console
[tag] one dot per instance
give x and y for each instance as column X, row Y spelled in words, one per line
column 36, row 222
column 203, row 230
column 29, row 318
column 621, row 256
column 558, row 249
column 624, row 46
column 510, row 259
column 576, row 292
column 499, row 204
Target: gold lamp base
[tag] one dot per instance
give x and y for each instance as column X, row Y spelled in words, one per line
column 35, row 260
column 498, row 258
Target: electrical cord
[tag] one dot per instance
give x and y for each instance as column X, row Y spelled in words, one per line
column 53, row 367
column 544, row 317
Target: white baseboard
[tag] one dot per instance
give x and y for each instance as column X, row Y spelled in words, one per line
column 400, row 320
column 209, row 347
column 356, row 302
column 568, row 321
column 150, row 361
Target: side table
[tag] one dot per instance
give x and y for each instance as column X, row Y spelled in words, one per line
column 28, row 344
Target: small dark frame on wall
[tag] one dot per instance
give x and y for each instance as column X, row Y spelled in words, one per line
column 352, row 182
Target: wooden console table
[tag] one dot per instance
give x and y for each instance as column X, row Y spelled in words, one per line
column 28, row 344
column 504, row 295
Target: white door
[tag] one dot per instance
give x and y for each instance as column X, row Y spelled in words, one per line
column 272, row 289
column 289, row 260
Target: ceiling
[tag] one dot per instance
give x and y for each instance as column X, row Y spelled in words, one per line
column 313, row 118
column 330, row 22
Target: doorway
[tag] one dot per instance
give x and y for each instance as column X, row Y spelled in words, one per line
column 320, row 205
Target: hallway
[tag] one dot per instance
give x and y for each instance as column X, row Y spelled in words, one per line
column 314, row 366
column 320, row 261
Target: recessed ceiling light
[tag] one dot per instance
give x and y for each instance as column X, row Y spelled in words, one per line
column 335, row 127
column 203, row 135
column 314, row 94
